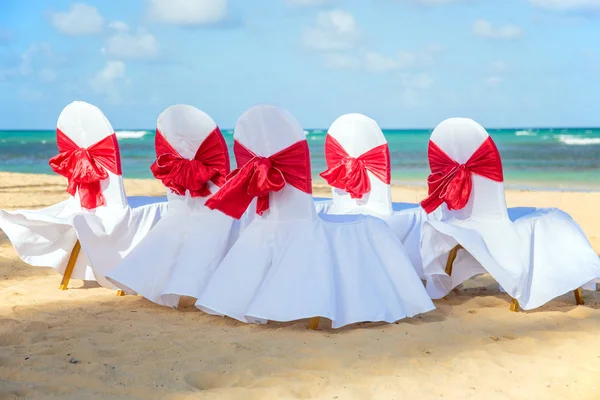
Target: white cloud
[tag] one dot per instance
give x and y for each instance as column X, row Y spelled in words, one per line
column 376, row 63
column 187, row 12
column 81, row 19
column 494, row 80
column 341, row 61
column 126, row 45
column 28, row 94
column 334, row 30
column 119, row 26
column 107, row 81
column 568, row 5
column 484, row 28
column 47, row 75
column 421, row 81
column 310, row 3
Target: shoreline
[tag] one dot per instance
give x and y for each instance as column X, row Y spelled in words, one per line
column 318, row 182
column 32, row 191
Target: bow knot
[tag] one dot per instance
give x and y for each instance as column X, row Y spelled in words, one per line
column 350, row 173
column 259, row 176
column 84, row 168
column 264, row 179
column 210, row 164
column 451, row 182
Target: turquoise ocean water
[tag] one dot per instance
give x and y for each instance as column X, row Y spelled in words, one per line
column 560, row 158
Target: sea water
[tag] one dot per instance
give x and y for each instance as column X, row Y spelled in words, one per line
column 549, row 158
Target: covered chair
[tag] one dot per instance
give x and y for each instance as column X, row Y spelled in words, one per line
column 90, row 160
column 359, row 173
column 289, row 263
column 181, row 252
column 535, row 256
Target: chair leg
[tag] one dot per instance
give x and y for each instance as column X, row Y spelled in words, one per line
column 64, row 284
column 120, row 293
column 313, row 323
column 450, row 262
column 578, row 296
column 514, row 305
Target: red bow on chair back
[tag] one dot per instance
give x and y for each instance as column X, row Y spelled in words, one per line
column 258, row 176
column 451, row 182
column 210, row 164
column 349, row 173
column 86, row 167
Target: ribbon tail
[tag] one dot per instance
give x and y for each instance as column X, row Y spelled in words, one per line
column 262, row 204
column 232, row 199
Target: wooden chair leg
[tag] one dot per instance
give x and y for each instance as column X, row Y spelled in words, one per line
column 120, row 293
column 578, row 296
column 450, row 262
column 64, row 284
column 313, row 323
column 514, row 305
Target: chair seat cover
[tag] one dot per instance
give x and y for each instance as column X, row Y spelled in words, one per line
column 89, row 158
column 178, row 256
column 46, row 237
column 535, row 254
column 347, row 270
column 405, row 221
column 182, row 251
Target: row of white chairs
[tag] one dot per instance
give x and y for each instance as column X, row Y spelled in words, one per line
column 253, row 244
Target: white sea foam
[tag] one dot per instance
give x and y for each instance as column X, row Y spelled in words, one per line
column 526, row 133
column 572, row 140
column 306, row 132
column 131, row 134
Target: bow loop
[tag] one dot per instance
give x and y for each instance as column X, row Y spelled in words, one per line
column 85, row 168
column 259, row 176
column 350, row 173
column 451, row 182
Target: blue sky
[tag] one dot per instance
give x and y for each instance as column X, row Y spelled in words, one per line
column 405, row 63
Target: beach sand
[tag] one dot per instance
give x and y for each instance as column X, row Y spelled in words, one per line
column 86, row 343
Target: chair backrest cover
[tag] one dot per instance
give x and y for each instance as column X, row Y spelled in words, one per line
column 266, row 130
column 86, row 125
column 459, row 138
column 185, row 128
column 358, row 134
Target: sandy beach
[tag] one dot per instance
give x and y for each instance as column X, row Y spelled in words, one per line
column 86, row 343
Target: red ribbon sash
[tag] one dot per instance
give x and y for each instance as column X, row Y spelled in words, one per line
column 451, row 182
column 85, row 168
column 258, row 176
column 349, row 173
column 210, row 164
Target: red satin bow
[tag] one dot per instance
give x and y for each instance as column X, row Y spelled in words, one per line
column 451, row 182
column 349, row 173
column 258, row 176
column 85, row 168
column 210, row 164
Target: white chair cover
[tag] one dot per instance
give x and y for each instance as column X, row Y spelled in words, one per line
column 46, row 237
column 358, row 134
column 289, row 264
column 181, row 252
column 541, row 255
